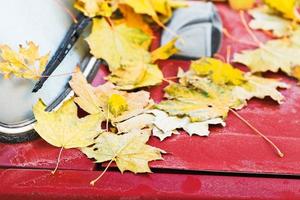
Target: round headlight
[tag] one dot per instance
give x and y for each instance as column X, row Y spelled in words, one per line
column 47, row 24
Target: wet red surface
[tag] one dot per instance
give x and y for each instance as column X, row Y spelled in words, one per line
column 41, row 184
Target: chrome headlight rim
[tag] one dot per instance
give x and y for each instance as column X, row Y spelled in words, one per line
column 24, row 131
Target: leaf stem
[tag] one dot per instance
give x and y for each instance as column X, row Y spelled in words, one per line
column 249, row 31
column 219, row 56
column 58, row 75
column 280, row 154
column 68, row 11
column 169, row 79
column 107, row 120
column 170, row 31
column 231, row 37
column 58, row 160
column 106, row 168
column 115, row 155
column 109, row 21
column 255, row 39
column 228, row 53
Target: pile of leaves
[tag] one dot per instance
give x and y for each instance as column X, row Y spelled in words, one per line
column 281, row 53
column 121, row 116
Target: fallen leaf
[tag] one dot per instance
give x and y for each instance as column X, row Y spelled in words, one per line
column 114, row 104
column 135, row 35
column 260, row 87
column 143, row 7
column 202, row 128
column 287, row 8
column 241, row 5
column 129, row 151
column 295, row 72
column 202, row 98
column 165, row 51
column 184, row 101
column 130, row 64
column 86, row 97
column 253, row 86
column 162, row 7
column 219, row 72
column 267, row 19
column 23, row 63
column 133, row 77
column 108, row 43
column 93, row 8
column 139, row 122
column 159, row 10
column 63, row 128
column 165, row 125
column 136, row 21
column 275, row 55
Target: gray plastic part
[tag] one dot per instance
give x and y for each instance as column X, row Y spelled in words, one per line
column 199, row 27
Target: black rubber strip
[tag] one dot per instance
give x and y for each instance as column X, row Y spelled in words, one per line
column 66, row 45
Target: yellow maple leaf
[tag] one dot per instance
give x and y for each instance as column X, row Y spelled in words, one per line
column 158, row 9
column 141, row 7
column 165, row 51
column 130, row 64
column 219, row 72
column 259, row 87
column 162, row 7
column 241, row 5
column 93, row 8
column 30, row 54
column 135, row 35
column 135, row 20
column 252, row 86
column 129, row 151
column 118, row 51
column 139, row 122
column 184, row 101
column 265, row 18
column 165, row 125
column 23, row 63
column 87, row 99
column 63, row 128
column 201, row 99
column 295, row 72
column 288, row 7
column 114, row 104
column 275, row 55
column 136, row 76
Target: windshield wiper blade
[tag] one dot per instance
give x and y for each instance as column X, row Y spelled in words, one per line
column 65, row 46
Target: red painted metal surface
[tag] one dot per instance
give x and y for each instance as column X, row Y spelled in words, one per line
column 41, row 184
column 234, row 148
column 39, row 154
